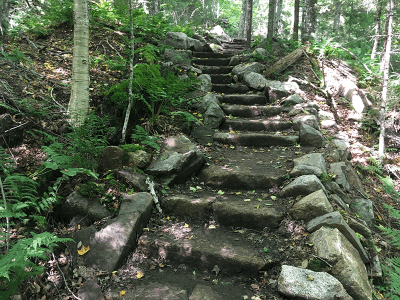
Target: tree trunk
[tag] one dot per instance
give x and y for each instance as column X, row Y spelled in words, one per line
column 153, row 7
column 386, row 64
column 385, row 41
column 249, row 22
column 303, row 18
column 242, row 22
column 310, row 20
column 277, row 18
column 336, row 21
column 130, row 94
column 79, row 101
column 296, row 15
column 4, row 15
column 271, row 17
column 377, row 26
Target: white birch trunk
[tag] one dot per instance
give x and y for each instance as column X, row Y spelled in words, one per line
column 79, row 102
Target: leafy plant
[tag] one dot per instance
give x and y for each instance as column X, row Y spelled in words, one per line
column 185, row 116
column 132, row 147
column 144, row 138
column 91, row 190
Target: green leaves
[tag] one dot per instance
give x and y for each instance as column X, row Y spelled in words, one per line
column 144, row 138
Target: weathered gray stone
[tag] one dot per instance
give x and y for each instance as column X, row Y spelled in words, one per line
column 178, row 40
column 364, row 209
column 203, row 134
column 76, row 204
column 329, row 125
column 335, row 198
column 333, row 247
column 276, row 90
column 337, row 168
column 334, row 188
column 215, row 48
column 305, row 284
column 90, row 290
column 234, row 61
column 292, row 100
column 311, row 137
column 204, row 83
column 260, row 51
column 353, row 179
column 313, row 160
column 303, row 108
column 139, row 158
column 132, row 179
column 302, row 185
column 219, row 33
column 178, row 57
column 337, row 151
column 335, row 220
column 376, row 269
column 111, row 158
column 311, row 206
column 213, row 116
column 242, row 69
column 195, row 45
column 206, row 102
column 110, row 246
column 204, row 292
column 305, row 170
column 254, row 80
column 359, row 226
column 310, row 120
column 179, row 159
column 325, row 115
column 151, row 291
column 183, row 206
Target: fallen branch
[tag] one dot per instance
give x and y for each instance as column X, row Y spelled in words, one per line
column 285, row 62
column 65, row 281
column 353, row 55
column 327, row 95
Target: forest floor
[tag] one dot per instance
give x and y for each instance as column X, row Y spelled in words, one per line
column 41, row 75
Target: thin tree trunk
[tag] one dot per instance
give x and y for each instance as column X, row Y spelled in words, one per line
column 377, row 26
column 310, row 21
column 4, row 15
column 130, row 94
column 271, row 17
column 386, row 63
column 303, row 19
column 296, row 15
column 242, row 22
column 79, row 101
column 385, row 41
column 336, row 21
column 277, row 18
column 153, row 7
column 249, row 22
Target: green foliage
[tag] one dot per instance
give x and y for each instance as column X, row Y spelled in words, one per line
column 185, row 29
column 316, row 265
column 91, row 190
column 132, row 147
column 144, row 138
column 16, row 56
column 327, row 177
column 185, row 116
column 20, row 263
column 148, row 53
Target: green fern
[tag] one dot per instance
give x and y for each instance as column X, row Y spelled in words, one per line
column 144, row 138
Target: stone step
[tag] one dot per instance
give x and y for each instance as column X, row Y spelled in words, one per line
column 215, row 70
column 230, row 88
column 247, row 99
column 211, row 61
column 207, row 248
column 256, row 125
column 221, row 78
column 230, row 209
column 210, row 55
column 246, row 111
column 255, row 139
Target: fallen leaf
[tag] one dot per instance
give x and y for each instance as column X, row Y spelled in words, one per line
column 83, row 250
column 211, row 227
column 139, row 275
column 122, row 293
column 216, row 270
column 220, row 192
column 186, row 225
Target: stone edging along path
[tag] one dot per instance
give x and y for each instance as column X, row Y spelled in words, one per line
column 232, row 220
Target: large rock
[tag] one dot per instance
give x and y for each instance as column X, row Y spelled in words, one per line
column 219, row 33
column 292, row 100
column 131, row 178
column 260, row 51
column 335, row 220
column 139, row 159
column 110, row 246
column 76, row 204
column 111, row 158
column 204, row 83
column 333, row 247
column 311, row 206
column 337, row 151
column 90, row 290
column 255, row 80
column 242, row 69
column 338, row 169
column 275, row 90
column 364, row 209
column 305, row 284
column 179, row 40
column 304, row 108
column 309, row 120
column 179, row 159
column 178, row 57
column 311, row 137
column 303, row 185
column 213, row 115
column 204, row 292
column 313, row 160
column 149, row 291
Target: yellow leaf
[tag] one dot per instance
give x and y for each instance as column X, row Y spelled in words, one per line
column 139, row 275
column 122, row 293
column 211, row 227
column 83, row 250
column 186, row 226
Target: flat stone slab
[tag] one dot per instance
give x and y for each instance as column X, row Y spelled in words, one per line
column 255, row 139
column 204, row 292
column 256, row 125
column 253, row 111
column 236, row 211
column 246, row 99
column 335, row 220
column 221, row 78
column 110, row 245
column 312, row 160
column 210, row 55
column 229, row 89
column 303, row 185
column 211, row 61
column 215, row 69
column 305, row 284
column 311, row 206
column 207, row 248
column 194, row 208
column 153, row 291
